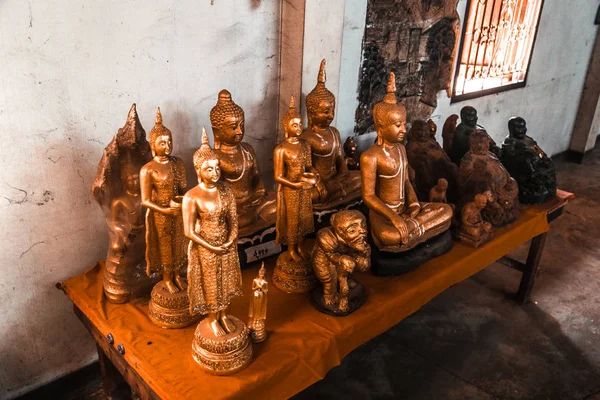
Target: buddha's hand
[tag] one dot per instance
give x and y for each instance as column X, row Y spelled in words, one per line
column 228, row 244
column 401, row 226
column 347, row 264
column 414, row 209
column 172, row 211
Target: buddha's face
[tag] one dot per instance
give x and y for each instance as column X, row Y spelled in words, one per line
column 163, row 145
column 518, row 128
column 354, row 233
column 480, row 146
column 443, row 184
column 422, row 132
column 261, row 273
column 231, row 131
column 468, row 115
column 294, row 127
column 132, row 182
column 209, row 172
column 323, row 115
column 395, row 130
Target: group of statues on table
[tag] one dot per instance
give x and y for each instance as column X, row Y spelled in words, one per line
column 189, row 237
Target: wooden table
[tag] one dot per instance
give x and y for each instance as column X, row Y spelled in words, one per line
column 303, row 344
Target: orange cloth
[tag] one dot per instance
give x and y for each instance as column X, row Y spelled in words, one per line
column 303, row 344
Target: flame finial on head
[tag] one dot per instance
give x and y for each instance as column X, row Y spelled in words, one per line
column 205, row 152
column 290, row 115
column 390, row 96
column 262, row 268
column 159, row 129
column 204, row 137
column 322, row 78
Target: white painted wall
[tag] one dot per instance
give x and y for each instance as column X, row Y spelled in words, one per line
column 557, row 71
column 70, row 71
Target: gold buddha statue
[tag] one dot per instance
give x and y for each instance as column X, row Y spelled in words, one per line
column 256, row 206
column 337, row 182
column 296, row 178
column 163, row 184
column 398, row 221
column 221, row 343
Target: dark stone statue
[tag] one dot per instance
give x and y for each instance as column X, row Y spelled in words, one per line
column 481, row 171
column 526, row 162
column 460, row 137
column 430, row 161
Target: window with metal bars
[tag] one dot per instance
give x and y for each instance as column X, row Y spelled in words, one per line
column 496, row 46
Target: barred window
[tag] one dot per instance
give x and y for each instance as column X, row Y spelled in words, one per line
column 496, row 46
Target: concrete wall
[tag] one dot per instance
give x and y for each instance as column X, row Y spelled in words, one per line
column 70, row 71
column 556, row 75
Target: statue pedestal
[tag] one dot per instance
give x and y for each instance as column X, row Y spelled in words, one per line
column 385, row 263
column 294, row 277
column 256, row 246
column 222, row 355
column 536, row 198
column 356, row 298
column 124, row 283
column 258, row 331
column 475, row 242
column 170, row 310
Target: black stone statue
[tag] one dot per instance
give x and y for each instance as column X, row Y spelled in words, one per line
column 528, row 164
column 459, row 138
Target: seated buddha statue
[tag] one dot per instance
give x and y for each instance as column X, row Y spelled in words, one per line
column 526, row 162
column 481, row 171
column 460, row 136
column 474, row 231
column 430, row 161
column 337, row 182
column 256, row 207
column 398, row 221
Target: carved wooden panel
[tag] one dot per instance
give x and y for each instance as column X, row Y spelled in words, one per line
column 414, row 38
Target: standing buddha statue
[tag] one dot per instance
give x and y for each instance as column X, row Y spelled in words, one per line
column 398, row 221
column 239, row 167
column 221, row 345
column 338, row 184
column 296, row 178
column 163, row 184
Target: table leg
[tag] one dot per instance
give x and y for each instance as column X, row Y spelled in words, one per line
column 532, row 268
column 115, row 386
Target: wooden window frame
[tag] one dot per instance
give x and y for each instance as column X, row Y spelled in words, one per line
column 486, row 92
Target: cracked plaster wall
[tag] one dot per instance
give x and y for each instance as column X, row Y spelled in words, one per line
column 70, row 72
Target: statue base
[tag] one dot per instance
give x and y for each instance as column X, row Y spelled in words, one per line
column 292, row 276
column 385, row 263
column 531, row 198
column 258, row 331
column 222, row 355
column 122, row 284
column 356, row 299
column 475, row 242
column 258, row 246
column 170, row 310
